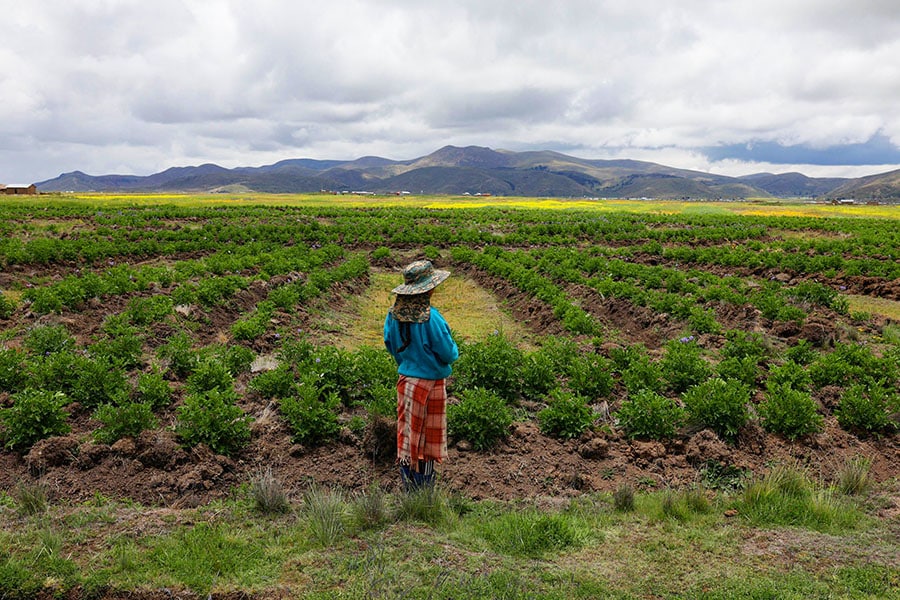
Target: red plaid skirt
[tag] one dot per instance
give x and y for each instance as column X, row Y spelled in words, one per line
column 421, row 419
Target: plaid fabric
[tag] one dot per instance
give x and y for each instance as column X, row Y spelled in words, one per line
column 421, row 420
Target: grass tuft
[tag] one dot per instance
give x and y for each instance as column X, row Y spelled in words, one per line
column 853, row 478
column 326, row 512
column 31, row 498
column 268, row 492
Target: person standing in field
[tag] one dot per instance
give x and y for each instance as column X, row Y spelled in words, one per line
column 419, row 339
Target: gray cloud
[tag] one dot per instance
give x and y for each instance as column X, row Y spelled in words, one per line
column 132, row 86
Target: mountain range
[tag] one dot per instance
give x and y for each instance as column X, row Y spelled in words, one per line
column 479, row 170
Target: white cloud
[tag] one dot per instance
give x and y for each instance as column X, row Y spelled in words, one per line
column 106, row 85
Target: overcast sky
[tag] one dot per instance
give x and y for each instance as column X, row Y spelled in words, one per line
column 727, row 86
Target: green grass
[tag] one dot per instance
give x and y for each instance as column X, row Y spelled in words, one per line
column 674, row 544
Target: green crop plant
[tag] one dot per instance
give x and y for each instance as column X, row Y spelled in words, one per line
column 648, row 415
column 33, row 416
column 211, row 417
column 566, row 416
column 480, row 417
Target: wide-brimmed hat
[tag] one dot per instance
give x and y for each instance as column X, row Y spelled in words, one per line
column 419, row 277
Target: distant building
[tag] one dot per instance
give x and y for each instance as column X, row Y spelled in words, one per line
column 18, row 188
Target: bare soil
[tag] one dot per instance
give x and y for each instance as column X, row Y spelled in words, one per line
column 155, row 470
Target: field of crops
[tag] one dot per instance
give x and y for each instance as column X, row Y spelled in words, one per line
column 162, row 349
column 167, row 350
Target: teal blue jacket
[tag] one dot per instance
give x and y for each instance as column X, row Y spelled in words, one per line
column 431, row 349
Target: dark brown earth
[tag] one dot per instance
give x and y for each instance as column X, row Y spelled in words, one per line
column 154, row 470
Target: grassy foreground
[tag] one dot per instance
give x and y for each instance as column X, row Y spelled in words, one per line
column 779, row 537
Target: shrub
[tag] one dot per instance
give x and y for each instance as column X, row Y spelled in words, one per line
column 741, row 344
column 801, row 353
column 181, row 356
column 311, row 419
column 789, row 412
column 590, row 376
column 143, row 311
column 481, row 417
column 212, row 418
column 153, row 390
column 538, row 376
column 127, row 420
column 209, row 374
column 648, row 415
column 276, row 383
column 237, row 359
column 381, row 252
column 560, row 351
column 43, row 340
column 494, row 364
column 847, row 363
column 743, row 369
column 719, row 405
column 33, row 416
column 97, row 381
column 791, row 375
column 867, row 409
column 12, row 370
column 374, row 368
column 7, row 306
column 122, row 346
column 642, row 374
column 566, row 415
column 682, row 366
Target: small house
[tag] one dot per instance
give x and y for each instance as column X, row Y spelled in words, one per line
column 17, row 189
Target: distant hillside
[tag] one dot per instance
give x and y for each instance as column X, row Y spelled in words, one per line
column 786, row 185
column 474, row 169
column 884, row 187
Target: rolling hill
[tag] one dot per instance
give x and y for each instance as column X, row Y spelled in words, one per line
column 474, row 169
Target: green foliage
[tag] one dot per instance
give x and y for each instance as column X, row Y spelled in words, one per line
column 126, row 420
column 149, row 309
column 57, row 372
column 268, row 493
column 153, row 390
column 590, row 376
column 276, row 383
column 566, row 415
column 743, row 369
column 7, row 306
column 209, row 374
column 801, row 353
column 255, row 324
column 334, row 370
column 285, row 297
column 494, row 364
column 867, row 409
column 481, row 417
column 33, row 416
column 561, row 352
column 648, row 415
column 236, row 358
column 97, row 382
column 381, row 252
column 44, row 340
column 789, row 412
column 849, row 363
column 180, row 354
column 211, row 417
column 12, row 370
column 538, row 376
column 682, row 365
column 790, row 374
column 741, row 344
column 122, row 345
column 313, row 420
column 641, row 374
column 531, row 533
column 375, row 371
column 720, row 405
column 786, row 497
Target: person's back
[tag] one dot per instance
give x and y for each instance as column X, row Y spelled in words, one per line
column 419, row 339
